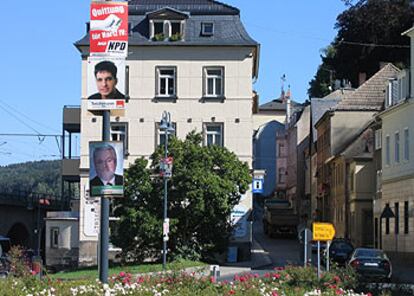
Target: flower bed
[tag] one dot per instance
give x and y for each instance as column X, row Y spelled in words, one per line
column 289, row 281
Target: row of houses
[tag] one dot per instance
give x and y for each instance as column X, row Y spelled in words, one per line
column 347, row 158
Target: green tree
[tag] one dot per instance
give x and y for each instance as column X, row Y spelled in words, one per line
column 369, row 32
column 207, row 183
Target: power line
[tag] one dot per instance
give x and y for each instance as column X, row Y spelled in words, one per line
column 27, row 117
column 19, row 120
column 306, row 35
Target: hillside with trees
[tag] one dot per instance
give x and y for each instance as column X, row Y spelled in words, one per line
column 37, row 176
column 369, row 33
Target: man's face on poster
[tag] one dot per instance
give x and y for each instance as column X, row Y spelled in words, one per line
column 105, row 164
column 105, row 83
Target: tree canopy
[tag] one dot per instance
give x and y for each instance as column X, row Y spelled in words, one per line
column 369, row 33
column 206, row 184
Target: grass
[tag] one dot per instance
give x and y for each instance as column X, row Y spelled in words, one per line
column 92, row 272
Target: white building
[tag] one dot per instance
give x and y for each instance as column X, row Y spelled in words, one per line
column 209, row 73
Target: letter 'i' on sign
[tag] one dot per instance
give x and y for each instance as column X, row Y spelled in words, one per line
column 257, row 185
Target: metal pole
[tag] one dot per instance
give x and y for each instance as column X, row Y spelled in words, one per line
column 328, row 243
column 164, row 248
column 38, row 227
column 305, row 257
column 104, row 223
column 319, row 259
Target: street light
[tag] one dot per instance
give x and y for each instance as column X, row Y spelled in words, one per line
column 167, row 128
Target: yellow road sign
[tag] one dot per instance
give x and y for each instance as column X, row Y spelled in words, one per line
column 323, row 231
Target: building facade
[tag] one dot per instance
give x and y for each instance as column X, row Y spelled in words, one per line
column 209, row 73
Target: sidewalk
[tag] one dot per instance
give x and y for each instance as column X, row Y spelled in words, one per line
column 259, row 259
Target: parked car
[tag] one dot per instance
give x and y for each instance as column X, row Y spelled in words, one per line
column 315, row 246
column 372, row 264
column 340, row 251
column 4, row 261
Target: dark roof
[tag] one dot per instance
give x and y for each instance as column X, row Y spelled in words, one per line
column 195, row 7
column 228, row 28
column 370, row 95
column 276, row 105
column 318, row 109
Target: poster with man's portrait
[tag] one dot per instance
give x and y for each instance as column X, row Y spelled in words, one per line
column 106, row 168
column 106, row 78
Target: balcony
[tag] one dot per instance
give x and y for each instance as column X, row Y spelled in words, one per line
column 71, row 118
column 70, row 169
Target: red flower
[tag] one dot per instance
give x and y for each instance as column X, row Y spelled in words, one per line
column 212, row 279
column 122, row 274
column 232, row 292
column 274, row 293
column 339, row 292
column 276, row 275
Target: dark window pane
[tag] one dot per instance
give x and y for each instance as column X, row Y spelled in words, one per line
column 218, row 87
column 158, row 28
column 175, row 28
column 210, row 86
column 163, row 87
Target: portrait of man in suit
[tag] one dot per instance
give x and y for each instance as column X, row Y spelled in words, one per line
column 105, row 165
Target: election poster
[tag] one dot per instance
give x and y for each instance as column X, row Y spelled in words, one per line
column 108, row 33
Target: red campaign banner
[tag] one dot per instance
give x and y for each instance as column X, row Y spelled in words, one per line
column 108, row 35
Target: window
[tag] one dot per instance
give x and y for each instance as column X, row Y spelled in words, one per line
column 379, row 181
column 160, row 135
column 352, row 181
column 406, row 144
column 378, row 139
column 158, row 27
column 281, row 149
column 213, row 81
column 166, row 82
column 397, row 218
column 207, row 29
column 162, row 29
column 282, row 175
column 119, row 132
column 54, row 237
column 387, row 150
column 406, row 217
column 213, row 134
column 397, row 147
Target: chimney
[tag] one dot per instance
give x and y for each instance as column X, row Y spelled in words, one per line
column 362, row 77
column 255, row 105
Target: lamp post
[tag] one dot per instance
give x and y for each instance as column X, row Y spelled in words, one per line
column 167, row 128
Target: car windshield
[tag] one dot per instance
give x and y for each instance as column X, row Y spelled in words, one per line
column 342, row 246
column 370, row 253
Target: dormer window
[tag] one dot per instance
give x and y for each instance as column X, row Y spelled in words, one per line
column 167, row 24
column 207, row 29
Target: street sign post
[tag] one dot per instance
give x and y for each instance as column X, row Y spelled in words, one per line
column 323, row 232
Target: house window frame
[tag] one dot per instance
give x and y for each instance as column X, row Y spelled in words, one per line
column 397, row 156
column 387, row 150
column 406, row 217
column 54, row 237
column 204, row 32
column 215, row 78
column 378, row 139
column 119, row 134
column 397, row 218
column 160, row 76
column 159, row 134
column 167, row 27
column 207, row 133
column 406, row 144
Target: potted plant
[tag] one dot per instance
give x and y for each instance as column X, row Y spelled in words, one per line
column 176, row 37
column 159, row 37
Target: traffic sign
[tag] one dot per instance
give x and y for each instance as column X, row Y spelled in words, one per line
column 257, row 186
column 323, row 231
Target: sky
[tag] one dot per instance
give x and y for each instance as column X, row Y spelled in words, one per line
column 42, row 68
